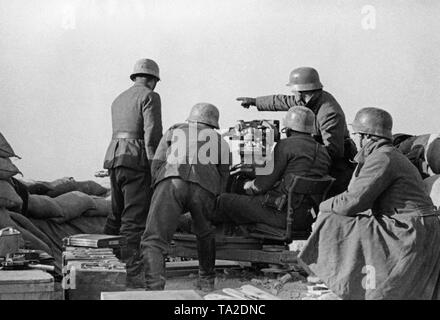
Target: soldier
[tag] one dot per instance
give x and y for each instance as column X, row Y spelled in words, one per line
column 184, row 181
column 379, row 239
column 137, row 130
column 330, row 127
column 298, row 154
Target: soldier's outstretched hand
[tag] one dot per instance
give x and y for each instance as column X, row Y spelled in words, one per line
column 246, row 102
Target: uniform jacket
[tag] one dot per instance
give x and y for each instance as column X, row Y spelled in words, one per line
column 295, row 155
column 384, row 181
column 178, row 155
column 136, row 111
column 378, row 240
column 330, row 125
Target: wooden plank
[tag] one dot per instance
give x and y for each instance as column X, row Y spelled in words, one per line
column 195, row 263
column 216, row 296
column 24, row 276
column 27, row 288
column 152, row 295
column 258, row 294
column 281, row 257
column 248, row 292
column 235, row 293
column 48, row 295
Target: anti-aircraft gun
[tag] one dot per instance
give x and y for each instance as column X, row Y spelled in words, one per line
column 251, row 143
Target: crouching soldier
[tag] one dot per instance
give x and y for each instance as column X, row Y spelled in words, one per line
column 298, row 154
column 190, row 168
column 378, row 239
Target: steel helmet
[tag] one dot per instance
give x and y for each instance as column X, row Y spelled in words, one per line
column 374, row 121
column 304, row 79
column 145, row 66
column 300, row 119
column 204, row 113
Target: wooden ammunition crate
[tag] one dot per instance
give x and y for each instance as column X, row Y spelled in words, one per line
column 87, row 284
column 26, row 285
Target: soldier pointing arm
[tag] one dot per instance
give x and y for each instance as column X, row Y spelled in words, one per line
column 330, row 126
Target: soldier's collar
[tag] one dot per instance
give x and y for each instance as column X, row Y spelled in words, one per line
column 312, row 102
column 138, row 84
column 369, row 148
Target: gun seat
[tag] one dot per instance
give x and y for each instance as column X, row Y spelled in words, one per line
column 304, row 197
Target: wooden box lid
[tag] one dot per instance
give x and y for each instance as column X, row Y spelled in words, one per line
column 24, row 276
column 152, row 295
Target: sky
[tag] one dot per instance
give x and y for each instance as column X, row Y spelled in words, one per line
column 62, row 63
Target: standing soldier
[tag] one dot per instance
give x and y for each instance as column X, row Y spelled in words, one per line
column 330, row 126
column 137, row 130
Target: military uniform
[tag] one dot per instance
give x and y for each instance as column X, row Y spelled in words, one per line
column 183, row 183
column 299, row 155
column 137, row 130
column 379, row 239
column 330, row 130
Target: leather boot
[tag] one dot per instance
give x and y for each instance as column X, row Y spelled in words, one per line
column 206, row 255
column 131, row 256
column 135, row 276
column 154, row 266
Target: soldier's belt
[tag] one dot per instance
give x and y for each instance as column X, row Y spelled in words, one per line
column 128, row 135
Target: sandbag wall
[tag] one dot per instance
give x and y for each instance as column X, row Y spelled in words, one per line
column 66, row 199
column 12, row 204
column 9, row 198
column 58, row 201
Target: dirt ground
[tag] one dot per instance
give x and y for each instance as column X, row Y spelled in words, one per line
column 294, row 289
column 285, row 286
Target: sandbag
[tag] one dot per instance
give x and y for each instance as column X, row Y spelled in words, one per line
column 36, row 187
column 7, row 169
column 103, row 208
column 25, row 223
column 399, row 138
column 91, row 188
column 61, row 186
column 43, row 207
column 73, row 205
column 432, row 185
column 6, row 220
column 6, row 149
column 32, row 242
column 422, row 150
column 22, row 192
column 9, row 199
